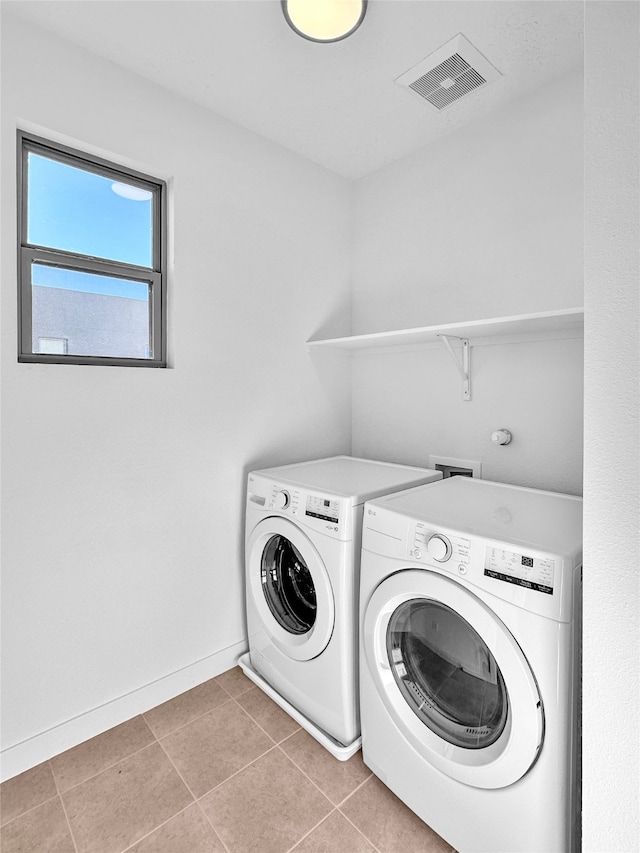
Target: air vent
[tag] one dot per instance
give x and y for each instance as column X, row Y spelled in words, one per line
column 449, row 73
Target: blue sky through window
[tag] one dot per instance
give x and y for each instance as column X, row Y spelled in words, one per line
column 79, row 211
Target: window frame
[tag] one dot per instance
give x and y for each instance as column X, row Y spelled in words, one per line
column 29, row 253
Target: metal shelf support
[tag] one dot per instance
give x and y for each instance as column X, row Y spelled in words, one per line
column 464, row 369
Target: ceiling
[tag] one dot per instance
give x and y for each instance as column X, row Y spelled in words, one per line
column 336, row 104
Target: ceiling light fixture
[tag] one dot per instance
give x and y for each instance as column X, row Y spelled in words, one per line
column 131, row 192
column 324, row 20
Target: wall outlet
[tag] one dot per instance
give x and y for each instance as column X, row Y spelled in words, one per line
column 455, row 467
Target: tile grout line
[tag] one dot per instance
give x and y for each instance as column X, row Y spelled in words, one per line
column 230, row 698
column 110, row 767
column 295, row 764
column 196, row 801
column 355, row 790
column 181, row 777
column 256, row 723
column 64, row 808
column 155, row 828
column 288, row 757
column 28, row 811
column 56, row 796
column 104, row 769
column 335, row 807
column 253, row 720
column 73, row 838
column 348, row 819
column 215, row 831
column 313, row 828
column 248, row 764
column 189, row 722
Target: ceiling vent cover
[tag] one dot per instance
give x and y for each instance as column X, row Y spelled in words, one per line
column 449, row 73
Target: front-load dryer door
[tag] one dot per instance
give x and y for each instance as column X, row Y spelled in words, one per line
column 453, row 679
column 290, row 588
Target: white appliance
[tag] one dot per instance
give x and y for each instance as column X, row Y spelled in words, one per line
column 469, row 664
column 303, row 535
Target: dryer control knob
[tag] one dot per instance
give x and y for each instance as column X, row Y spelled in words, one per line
column 282, row 500
column 439, row 548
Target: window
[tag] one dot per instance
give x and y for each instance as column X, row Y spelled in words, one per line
column 92, row 255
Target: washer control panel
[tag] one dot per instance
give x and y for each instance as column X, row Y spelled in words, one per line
column 323, row 508
column 323, row 512
column 432, row 545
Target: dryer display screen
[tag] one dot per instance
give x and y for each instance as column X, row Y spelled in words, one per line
column 322, row 508
column 523, row 570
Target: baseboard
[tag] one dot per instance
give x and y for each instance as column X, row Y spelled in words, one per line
column 44, row 745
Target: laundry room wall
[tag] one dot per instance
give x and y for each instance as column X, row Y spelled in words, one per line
column 611, row 633
column 485, row 222
column 123, row 488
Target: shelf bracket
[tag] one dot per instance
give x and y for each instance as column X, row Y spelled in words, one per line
column 464, row 369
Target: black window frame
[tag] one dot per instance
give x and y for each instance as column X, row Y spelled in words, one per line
column 29, row 254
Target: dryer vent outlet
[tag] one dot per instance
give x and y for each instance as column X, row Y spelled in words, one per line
column 449, row 73
column 455, row 467
column 453, row 471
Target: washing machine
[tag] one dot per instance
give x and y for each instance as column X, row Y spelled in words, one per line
column 303, row 536
column 470, row 661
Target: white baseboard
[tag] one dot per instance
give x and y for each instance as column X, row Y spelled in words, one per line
column 44, row 745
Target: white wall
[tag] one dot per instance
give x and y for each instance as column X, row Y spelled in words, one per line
column 486, row 222
column 123, row 488
column 611, row 706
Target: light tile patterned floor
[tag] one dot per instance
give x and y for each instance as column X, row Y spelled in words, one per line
column 219, row 769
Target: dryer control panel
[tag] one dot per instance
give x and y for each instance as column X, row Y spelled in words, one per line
column 528, row 578
column 520, row 569
column 430, row 544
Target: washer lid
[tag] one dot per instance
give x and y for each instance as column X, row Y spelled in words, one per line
column 546, row 521
column 348, row 476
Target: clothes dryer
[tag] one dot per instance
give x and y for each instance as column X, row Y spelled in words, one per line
column 302, row 557
column 469, row 670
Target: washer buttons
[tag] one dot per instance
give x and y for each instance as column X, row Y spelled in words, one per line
column 462, row 569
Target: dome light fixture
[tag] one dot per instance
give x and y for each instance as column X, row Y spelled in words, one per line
column 131, row 192
column 324, row 20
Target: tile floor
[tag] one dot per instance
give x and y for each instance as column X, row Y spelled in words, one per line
column 219, row 768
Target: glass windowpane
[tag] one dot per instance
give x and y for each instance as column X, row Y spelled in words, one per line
column 97, row 315
column 75, row 210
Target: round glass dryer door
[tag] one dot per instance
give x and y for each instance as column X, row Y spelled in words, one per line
column 447, row 674
column 288, row 586
column 290, row 589
column 452, row 678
